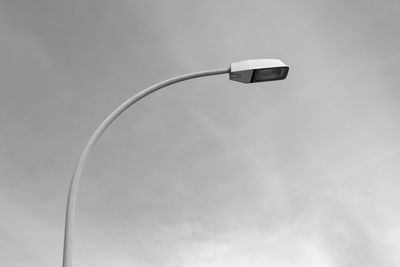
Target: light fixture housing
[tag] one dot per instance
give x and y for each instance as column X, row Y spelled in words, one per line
column 258, row 70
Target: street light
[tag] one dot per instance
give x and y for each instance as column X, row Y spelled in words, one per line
column 248, row 71
column 258, row 70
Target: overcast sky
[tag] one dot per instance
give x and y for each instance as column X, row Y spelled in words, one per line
column 210, row 173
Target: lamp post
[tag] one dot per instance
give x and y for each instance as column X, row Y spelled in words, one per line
column 248, row 71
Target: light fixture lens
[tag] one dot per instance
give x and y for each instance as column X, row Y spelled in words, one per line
column 269, row 74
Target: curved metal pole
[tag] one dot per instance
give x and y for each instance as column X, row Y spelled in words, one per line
column 73, row 189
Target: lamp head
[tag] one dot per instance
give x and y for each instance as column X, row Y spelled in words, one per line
column 258, row 70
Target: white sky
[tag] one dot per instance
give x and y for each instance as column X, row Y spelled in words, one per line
column 301, row 172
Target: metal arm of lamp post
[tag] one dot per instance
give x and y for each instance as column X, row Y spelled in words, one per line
column 245, row 71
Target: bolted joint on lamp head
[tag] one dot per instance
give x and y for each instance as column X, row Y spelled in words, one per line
column 258, row 70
